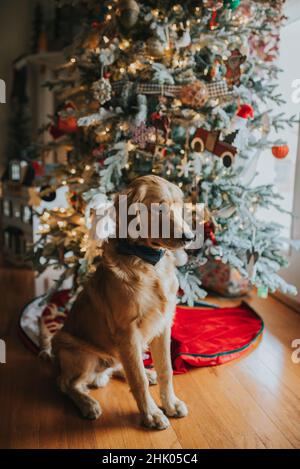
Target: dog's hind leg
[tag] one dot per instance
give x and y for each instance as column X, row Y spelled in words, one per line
column 76, row 373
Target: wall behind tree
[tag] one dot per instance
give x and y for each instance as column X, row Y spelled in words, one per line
column 15, row 34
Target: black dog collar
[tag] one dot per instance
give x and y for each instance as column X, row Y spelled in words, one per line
column 146, row 253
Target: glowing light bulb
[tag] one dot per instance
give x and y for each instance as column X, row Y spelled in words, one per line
column 124, row 44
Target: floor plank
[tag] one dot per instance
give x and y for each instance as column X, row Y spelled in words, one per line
column 249, row 403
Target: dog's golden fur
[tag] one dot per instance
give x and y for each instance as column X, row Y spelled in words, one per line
column 126, row 305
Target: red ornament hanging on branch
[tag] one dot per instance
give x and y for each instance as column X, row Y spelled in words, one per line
column 209, row 232
column 280, row 151
column 245, row 111
column 67, row 121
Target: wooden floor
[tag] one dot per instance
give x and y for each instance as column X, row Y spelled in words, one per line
column 251, row 403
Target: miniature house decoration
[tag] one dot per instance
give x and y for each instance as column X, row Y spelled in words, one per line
column 16, row 214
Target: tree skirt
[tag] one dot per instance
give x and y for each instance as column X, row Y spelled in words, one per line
column 200, row 336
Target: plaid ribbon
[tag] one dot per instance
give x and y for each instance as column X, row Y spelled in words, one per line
column 216, row 89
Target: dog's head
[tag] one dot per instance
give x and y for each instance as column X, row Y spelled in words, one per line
column 150, row 212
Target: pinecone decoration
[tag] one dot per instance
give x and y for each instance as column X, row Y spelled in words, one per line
column 194, row 95
column 102, row 90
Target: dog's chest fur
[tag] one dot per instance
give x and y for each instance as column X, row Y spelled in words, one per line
column 157, row 299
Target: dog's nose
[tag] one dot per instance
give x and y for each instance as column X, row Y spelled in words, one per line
column 188, row 236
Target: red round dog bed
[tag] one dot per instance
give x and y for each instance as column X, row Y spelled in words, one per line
column 205, row 337
column 200, row 336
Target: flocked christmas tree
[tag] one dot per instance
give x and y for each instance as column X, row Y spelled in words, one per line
column 177, row 89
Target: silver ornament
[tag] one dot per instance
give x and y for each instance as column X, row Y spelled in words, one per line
column 129, row 12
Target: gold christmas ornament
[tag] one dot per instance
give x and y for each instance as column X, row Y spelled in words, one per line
column 155, row 48
column 194, row 95
column 128, row 12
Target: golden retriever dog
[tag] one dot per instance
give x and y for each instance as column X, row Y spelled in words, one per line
column 126, row 306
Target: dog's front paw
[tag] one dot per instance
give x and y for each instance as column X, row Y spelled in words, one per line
column 176, row 409
column 155, row 420
column 90, row 408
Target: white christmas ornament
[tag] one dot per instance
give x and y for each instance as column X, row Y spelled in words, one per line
column 141, row 115
column 102, row 90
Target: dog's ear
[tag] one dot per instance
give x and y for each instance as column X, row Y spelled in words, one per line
column 135, row 192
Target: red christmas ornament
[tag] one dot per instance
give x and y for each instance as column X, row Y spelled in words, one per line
column 67, row 121
column 67, row 125
column 209, row 232
column 245, row 111
column 96, row 25
column 280, row 151
column 155, row 116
